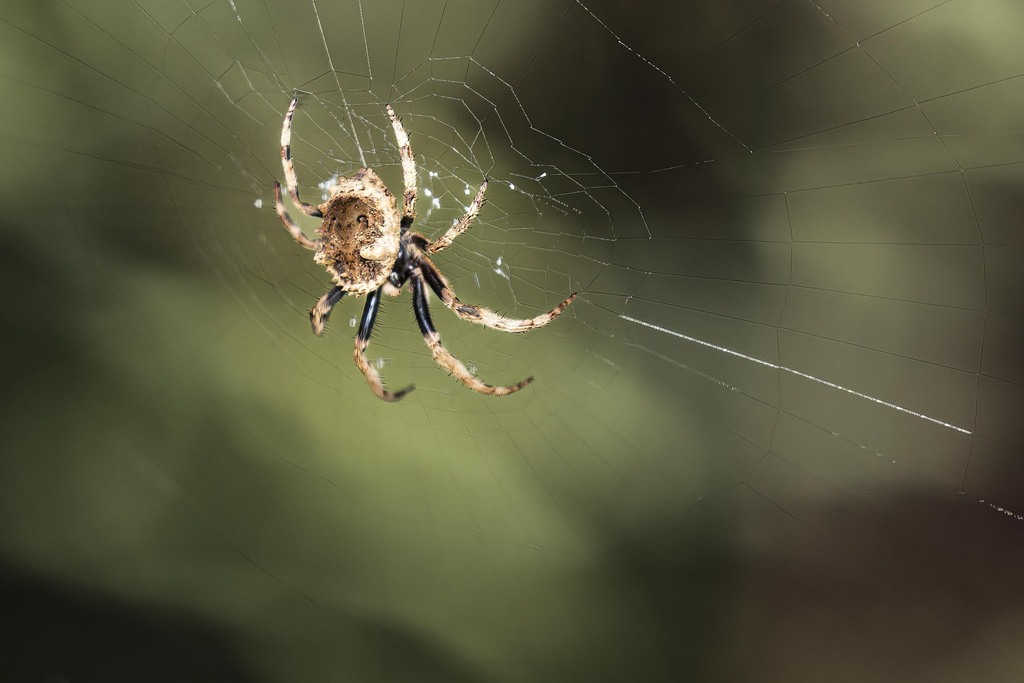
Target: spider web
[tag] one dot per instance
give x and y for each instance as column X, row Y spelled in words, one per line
column 778, row 431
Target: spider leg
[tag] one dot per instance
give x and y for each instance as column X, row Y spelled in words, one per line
column 408, row 169
column 460, row 227
column 322, row 309
column 291, row 225
column 291, row 180
column 483, row 316
column 362, row 341
column 442, row 356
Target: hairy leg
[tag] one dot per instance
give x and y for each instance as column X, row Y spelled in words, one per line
column 291, row 180
column 290, row 225
column 322, row 309
column 460, row 227
column 408, row 169
column 476, row 314
column 362, row 341
column 442, row 356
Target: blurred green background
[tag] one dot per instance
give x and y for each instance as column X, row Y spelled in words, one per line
column 194, row 487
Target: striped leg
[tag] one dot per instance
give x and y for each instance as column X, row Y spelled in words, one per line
column 460, row 227
column 362, row 341
column 289, row 168
column 442, row 356
column 476, row 314
column 322, row 309
column 408, row 169
column 291, row 225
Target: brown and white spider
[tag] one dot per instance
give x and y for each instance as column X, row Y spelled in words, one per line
column 367, row 248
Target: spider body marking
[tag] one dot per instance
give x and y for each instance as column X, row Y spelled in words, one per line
column 360, row 234
column 367, row 248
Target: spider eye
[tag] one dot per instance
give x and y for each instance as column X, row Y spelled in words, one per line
column 361, row 219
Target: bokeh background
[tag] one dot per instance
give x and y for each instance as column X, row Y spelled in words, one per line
column 777, row 437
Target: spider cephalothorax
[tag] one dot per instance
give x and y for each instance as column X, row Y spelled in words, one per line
column 367, row 247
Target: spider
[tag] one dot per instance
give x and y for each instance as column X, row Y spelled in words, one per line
column 367, row 248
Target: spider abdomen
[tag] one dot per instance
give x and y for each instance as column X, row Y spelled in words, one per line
column 360, row 233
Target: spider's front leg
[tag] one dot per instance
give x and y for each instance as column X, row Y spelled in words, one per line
column 362, row 341
column 408, row 169
column 290, row 225
column 442, row 356
column 289, row 168
column 448, row 237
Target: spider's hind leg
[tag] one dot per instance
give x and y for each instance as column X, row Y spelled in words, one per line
column 480, row 315
column 362, row 341
column 442, row 356
column 322, row 309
